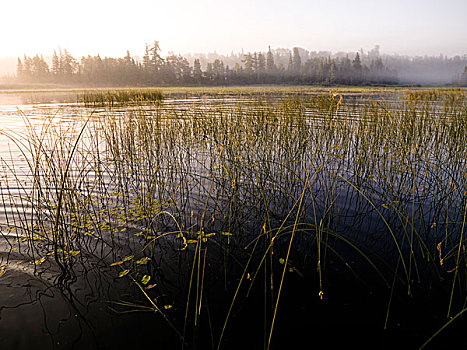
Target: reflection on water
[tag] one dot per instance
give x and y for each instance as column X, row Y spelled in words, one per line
column 37, row 98
column 171, row 212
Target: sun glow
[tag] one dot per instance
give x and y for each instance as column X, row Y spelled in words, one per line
column 112, row 27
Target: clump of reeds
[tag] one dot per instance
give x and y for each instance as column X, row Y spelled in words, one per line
column 121, row 96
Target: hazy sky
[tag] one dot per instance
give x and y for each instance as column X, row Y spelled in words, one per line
column 111, row 27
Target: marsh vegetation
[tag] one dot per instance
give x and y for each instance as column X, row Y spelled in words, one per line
column 255, row 218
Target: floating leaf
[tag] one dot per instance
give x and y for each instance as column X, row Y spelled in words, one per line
column 116, row 263
column 123, row 273
column 151, row 286
column 145, row 279
column 38, row 261
column 226, row 234
column 167, row 307
column 129, row 257
column 143, row 261
column 281, row 261
column 191, row 241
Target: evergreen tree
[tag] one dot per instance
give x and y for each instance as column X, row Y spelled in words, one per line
column 261, row 63
column 332, row 72
column 155, row 58
column 463, row 79
column 249, row 63
column 296, row 60
column 209, row 73
column 186, row 70
column 290, row 65
column 357, row 70
column 39, row 68
column 26, row 67
column 67, row 63
column 255, row 62
column 146, row 59
column 19, row 69
column 197, row 72
column 356, row 63
column 128, row 59
column 270, row 66
column 56, row 67
column 218, row 71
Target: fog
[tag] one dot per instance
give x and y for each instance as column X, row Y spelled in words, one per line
column 7, row 66
column 426, row 70
column 439, row 70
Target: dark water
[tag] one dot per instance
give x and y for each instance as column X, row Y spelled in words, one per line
column 85, row 304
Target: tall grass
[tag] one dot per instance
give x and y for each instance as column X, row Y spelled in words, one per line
column 227, row 197
column 121, row 96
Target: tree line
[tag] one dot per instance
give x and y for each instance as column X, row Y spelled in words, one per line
column 462, row 81
column 271, row 67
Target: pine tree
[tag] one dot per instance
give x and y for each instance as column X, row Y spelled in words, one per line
column 290, row 65
column 463, row 79
column 197, row 72
column 56, row 67
column 296, row 60
column 146, row 59
column 19, row 69
column 261, row 63
column 67, row 63
column 218, row 71
column 40, row 69
column 255, row 62
column 357, row 70
column 26, row 67
column 155, row 58
column 356, row 63
column 270, row 66
column 248, row 62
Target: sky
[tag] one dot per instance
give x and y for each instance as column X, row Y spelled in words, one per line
column 109, row 28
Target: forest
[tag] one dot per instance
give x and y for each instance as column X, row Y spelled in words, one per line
column 280, row 66
column 176, row 70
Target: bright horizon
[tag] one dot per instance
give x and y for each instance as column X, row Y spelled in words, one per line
column 109, row 28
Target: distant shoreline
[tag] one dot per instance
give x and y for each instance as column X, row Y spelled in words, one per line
column 22, row 88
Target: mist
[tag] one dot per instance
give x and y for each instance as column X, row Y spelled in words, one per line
column 425, row 70
column 7, row 66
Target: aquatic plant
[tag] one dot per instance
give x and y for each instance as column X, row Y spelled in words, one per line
column 95, row 98
column 229, row 201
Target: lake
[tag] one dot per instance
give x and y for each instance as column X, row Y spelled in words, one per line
column 226, row 218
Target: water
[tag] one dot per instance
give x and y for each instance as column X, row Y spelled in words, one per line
column 195, row 178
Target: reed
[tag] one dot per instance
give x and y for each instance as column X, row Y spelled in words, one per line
column 95, row 98
column 226, row 196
